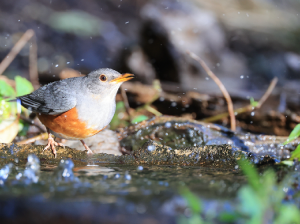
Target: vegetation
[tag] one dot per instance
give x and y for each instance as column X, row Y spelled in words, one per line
column 260, row 201
column 7, row 92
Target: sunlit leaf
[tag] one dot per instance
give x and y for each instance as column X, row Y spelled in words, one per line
column 287, row 162
column 23, row 86
column 156, row 85
column 6, row 89
column 139, row 118
column 294, row 134
column 296, row 154
column 253, row 102
column 5, row 109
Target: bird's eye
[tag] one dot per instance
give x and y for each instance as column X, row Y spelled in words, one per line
column 103, row 78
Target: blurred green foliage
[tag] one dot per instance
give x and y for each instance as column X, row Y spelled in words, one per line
column 78, row 22
column 295, row 155
column 23, row 87
column 5, row 108
column 294, row 134
column 121, row 119
column 117, row 120
column 260, row 201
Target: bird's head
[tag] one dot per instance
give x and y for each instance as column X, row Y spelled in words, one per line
column 106, row 82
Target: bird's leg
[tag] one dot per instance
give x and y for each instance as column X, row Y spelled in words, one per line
column 51, row 143
column 89, row 151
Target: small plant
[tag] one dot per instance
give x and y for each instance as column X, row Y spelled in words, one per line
column 260, row 201
column 295, row 155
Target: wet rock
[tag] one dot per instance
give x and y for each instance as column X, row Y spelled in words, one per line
column 222, row 156
column 169, row 140
column 105, row 141
column 179, row 133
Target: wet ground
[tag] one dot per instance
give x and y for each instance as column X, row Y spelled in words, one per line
column 142, row 187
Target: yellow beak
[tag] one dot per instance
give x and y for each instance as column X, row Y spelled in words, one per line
column 123, row 78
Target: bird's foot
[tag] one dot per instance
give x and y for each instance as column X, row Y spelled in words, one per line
column 89, row 151
column 51, row 144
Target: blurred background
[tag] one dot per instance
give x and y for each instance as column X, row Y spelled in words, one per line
column 245, row 43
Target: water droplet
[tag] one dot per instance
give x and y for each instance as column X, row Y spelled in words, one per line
column 151, row 148
column 127, row 176
column 140, row 168
column 168, row 124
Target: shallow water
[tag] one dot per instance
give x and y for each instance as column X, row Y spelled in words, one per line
column 143, row 187
column 140, row 190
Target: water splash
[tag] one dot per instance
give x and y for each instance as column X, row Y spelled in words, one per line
column 32, row 170
column 64, row 171
column 4, row 172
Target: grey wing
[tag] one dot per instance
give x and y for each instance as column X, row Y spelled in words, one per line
column 54, row 98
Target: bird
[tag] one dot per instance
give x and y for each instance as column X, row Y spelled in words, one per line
column 76, row 108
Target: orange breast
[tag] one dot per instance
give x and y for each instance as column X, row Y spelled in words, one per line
column 67, row 124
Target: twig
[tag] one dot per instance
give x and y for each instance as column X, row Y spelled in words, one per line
column 15, row 50
column 126, row 103
column 246, row 108
column 268, row 92
column 33, row 70
column 152, row 110
column 29, row 121
column 43, row 136
column 222, row 88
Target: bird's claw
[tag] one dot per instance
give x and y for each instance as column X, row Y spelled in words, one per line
column 51, row 144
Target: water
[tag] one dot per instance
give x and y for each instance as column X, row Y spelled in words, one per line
column 139, row 187
column 112, row 192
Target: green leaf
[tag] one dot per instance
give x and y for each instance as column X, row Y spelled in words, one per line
column 139, row 118
column 294, row 134
column 287, row 162
column 23, row 86
column 296, row 154
column 6, row 89
column 191, row 199
column 251, row 174
column 253, row 102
